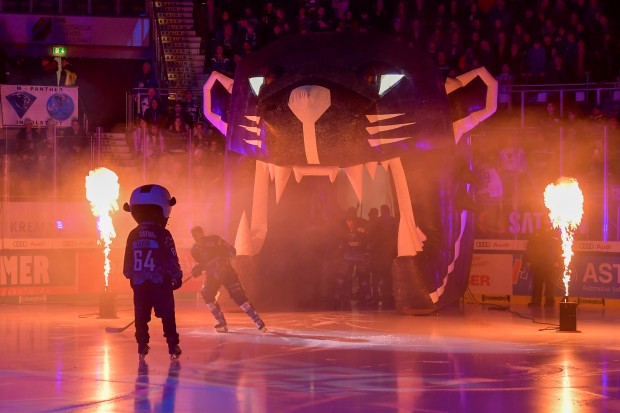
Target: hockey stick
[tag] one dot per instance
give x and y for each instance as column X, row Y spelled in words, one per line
column 121, row 329
column 118, row 329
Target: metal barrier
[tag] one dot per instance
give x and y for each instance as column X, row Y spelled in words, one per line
column 578, row 99
column 514, row 157
column 514, row 165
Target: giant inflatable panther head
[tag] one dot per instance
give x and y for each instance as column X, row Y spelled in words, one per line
column 344, row 104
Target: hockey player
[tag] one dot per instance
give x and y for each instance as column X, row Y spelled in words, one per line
column 213, row 255
column 152, row 266
column 354, row 255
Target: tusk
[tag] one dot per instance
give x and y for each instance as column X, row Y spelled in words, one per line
column 243, row 241
column 410, row 237
column 258, row 224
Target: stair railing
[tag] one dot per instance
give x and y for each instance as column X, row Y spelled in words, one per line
column 161, row 66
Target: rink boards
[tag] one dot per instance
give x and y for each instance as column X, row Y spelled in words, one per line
column 499, row 273
column 35, row 267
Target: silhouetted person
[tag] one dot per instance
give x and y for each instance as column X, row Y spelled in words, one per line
column 543, row 255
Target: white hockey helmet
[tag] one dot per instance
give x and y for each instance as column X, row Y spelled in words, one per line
column 151, row 195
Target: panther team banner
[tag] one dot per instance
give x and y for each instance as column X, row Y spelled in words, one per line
column 38, row 103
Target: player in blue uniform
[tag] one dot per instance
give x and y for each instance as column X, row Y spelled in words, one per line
column 354, row 262
column 213, row 255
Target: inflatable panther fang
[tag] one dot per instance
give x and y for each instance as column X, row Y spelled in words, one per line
column 343, row 105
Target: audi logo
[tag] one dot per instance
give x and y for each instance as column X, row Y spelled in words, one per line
column 482, row 244
column 20, row 244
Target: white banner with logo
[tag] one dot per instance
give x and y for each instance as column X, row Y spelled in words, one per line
column 38, row 103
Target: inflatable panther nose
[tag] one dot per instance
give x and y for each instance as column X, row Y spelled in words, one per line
column 308, row 103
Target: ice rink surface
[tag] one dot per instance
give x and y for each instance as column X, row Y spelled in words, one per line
column 58, row 357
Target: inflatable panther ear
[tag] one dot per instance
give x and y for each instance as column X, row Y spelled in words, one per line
column 215, row 119
column 464, row 95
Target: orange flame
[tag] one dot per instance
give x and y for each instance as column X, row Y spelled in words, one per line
column 564, row 200
column 102, row 191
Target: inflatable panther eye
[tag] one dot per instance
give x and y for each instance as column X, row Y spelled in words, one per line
column 339, row 107
column 255, row 83
column 388, row 81
column 383, row 74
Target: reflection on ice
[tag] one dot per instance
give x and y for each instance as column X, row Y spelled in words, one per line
column 52, row 360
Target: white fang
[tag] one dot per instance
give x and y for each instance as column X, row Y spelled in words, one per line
column 243, row 241
column 281, row 174
column 254, row 119
column 410, row 237
column 355, row 174
column 372, row 168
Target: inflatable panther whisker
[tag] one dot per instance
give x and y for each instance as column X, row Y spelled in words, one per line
column 326, row 105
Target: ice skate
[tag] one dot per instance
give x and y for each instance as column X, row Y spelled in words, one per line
column 175, row 353
column 251, row 312
column 260, row 324
column 143, row 351
column 221, row 328
column 143, row 368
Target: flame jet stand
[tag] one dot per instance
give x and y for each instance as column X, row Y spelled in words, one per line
column 568, row 316
column 564, row 200
column 107, row 304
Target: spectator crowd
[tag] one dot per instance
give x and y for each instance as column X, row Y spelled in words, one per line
column 518, row 41
column 534, row 41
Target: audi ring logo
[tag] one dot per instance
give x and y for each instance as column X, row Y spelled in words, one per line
column 482, row 244
column 20, row 244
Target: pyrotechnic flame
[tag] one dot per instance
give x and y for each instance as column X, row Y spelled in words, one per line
column 565, row 202
column 102, row 190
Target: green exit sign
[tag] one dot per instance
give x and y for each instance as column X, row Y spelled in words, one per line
column 59, row 51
